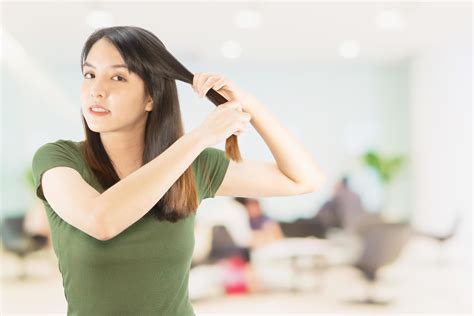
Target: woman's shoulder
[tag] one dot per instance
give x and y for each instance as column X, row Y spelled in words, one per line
column 211, row 166
column 212, row 155
column 64, row 142
column 68, row 144
column 60, row 148
column 58, row 153
column 210, row 161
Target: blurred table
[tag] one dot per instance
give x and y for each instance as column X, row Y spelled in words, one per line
column 308, row 257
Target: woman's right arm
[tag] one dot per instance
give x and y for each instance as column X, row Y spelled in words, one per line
column 128, row 200
column 106, row 215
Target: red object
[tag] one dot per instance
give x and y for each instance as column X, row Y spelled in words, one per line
column 234, row 276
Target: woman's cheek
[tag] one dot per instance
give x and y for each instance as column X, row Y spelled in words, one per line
column 83, row 93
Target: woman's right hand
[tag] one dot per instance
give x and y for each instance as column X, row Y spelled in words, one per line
column 227, row 119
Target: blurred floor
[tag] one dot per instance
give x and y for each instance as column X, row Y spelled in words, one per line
column 427, row 278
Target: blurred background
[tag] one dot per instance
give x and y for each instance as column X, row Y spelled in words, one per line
column 379, row 92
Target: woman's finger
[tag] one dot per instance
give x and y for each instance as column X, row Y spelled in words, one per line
column 208, row 84
column 219, row 83
column 201, row 81
column 200, row 78
column 242, row 129
column 238, row 133
column 234, row 104
column 195, row 81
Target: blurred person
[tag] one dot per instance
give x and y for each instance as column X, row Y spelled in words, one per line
column 121, row 204
column 264, row 229
column 343, row 210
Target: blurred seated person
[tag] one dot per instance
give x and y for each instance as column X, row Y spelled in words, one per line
column 264, row 229
column 343, row 210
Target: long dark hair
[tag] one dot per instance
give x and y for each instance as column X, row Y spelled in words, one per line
column 147, row 56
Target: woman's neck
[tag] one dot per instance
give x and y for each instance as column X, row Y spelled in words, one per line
column 125, row 151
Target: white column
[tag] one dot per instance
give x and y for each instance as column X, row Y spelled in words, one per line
column 441, row 123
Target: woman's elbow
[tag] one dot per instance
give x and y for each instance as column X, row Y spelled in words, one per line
column 319, row 183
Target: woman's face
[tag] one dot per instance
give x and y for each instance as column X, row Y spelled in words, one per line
column 114, row 88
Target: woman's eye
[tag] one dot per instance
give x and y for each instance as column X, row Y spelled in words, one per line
column 121, row 78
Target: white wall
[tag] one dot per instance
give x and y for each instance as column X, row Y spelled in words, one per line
column 442, row 136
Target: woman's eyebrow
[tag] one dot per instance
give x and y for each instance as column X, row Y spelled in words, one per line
column 111, row 66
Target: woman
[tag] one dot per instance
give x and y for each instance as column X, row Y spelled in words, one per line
column 121, row 204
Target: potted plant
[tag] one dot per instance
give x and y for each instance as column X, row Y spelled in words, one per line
column 386, row 167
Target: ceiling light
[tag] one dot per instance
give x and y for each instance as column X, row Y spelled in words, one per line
column 247, row 19
column 389, row 20
column 349, row 49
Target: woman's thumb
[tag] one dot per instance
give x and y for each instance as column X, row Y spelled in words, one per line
column 234, row 104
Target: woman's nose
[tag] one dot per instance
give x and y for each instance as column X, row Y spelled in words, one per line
column 97, row 88
column 95, row 94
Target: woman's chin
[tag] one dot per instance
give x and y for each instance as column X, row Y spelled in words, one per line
column 96, row 128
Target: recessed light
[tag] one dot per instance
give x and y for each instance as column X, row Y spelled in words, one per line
column 248, row 19
column 389, row 20
column 349, row 49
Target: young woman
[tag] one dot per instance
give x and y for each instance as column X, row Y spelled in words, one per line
column 121, row 204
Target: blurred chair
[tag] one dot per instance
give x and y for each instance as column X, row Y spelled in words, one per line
column 15, row 240
column 230, row 257
column 441, row 239
column 382, row 244
column 222, row 247
column 302, row 228
column 319, row 226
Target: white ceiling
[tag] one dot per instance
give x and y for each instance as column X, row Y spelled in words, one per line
column 290, row 32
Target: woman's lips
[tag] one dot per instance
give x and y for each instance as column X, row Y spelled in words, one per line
column 98, row 113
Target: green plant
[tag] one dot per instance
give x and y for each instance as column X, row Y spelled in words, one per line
column 386, row 167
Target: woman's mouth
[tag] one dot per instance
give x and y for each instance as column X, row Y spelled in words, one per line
column 98, row 111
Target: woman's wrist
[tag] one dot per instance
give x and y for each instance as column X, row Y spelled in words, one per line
column 197, row 137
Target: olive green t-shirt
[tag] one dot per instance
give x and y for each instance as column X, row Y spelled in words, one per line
column 142, row 271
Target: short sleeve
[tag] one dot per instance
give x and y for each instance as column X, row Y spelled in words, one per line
column 48, row 156
column 212, row 165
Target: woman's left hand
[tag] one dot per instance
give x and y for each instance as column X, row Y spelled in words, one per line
column 203, row 82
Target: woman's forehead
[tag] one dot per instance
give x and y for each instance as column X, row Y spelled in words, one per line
column 105, row 55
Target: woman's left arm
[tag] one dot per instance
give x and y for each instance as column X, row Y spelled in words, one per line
column 295, row 172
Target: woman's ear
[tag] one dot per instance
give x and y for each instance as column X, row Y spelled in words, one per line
column 149, row 105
